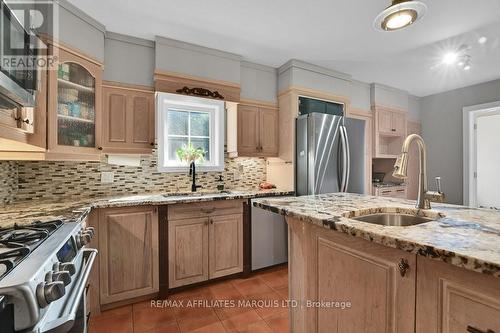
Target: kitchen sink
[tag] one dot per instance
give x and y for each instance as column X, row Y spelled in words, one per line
column 393, row 219
column 195, row 194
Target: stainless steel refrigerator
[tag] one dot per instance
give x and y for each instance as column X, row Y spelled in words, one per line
column 330, row 154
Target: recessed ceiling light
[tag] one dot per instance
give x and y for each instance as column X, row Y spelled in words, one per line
column 450, row 58
column 482, row 40
column 400, row 14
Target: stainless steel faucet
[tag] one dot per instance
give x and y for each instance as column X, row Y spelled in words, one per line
column 401, row 171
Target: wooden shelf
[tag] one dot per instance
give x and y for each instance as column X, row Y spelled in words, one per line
column 73, row 85
column 71, row 118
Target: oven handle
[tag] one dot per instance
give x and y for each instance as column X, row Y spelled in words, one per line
column 66, row 321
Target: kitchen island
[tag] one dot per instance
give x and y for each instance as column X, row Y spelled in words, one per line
column 439, row 276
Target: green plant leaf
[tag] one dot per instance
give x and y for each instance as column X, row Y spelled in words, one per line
column 189, row 154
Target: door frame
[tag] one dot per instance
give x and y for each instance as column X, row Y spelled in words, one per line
column 470, row 115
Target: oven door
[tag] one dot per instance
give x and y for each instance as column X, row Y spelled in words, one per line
column 72, row 316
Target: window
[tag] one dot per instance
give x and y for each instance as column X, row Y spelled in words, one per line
column 184, row 120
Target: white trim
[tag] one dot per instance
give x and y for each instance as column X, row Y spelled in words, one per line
column 215, row 107
column 470, row 114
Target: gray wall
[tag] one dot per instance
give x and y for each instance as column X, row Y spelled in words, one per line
column 80, row 31
column 180, row 57
column 443, row 133
column 360, row 95
column 259, row 82
column 388, row 96
column 128, row 59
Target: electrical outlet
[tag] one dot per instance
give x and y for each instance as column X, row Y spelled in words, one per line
column 241, row 168
column 107, row 177
column 236, row 175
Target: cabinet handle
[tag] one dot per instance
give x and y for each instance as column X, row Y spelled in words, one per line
column 472, row 329
column 152, row 143
column 211, row 221
column 394, row 130
column 100, row 148
column 403, row 267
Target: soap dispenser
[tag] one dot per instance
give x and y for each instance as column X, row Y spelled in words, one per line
column 220, row 185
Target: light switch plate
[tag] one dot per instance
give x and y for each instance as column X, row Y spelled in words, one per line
column 107, row 177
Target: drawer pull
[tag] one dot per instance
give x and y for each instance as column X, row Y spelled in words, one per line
column 403, row 267
column 472, row 329
column 208, row 210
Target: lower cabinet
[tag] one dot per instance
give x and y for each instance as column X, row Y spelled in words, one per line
column 128, row 253
column 204, row 247
column 352, row 285
column 452, row 300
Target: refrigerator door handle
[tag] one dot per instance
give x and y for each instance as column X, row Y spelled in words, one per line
column 348, row 160
column 343, row 145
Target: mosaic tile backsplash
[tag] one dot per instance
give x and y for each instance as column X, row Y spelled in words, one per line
column 32, row 180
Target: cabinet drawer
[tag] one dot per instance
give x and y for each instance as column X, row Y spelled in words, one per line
column 202, row 209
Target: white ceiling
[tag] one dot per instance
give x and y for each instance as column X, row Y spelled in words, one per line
column 333, row 33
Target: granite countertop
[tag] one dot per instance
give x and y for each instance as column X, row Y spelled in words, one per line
column 462, row 236
column 73, row 210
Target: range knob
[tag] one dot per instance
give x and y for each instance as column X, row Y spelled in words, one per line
column 64, row 266
column 62, row 276
column 83, row 239
column 47, row 293
column 90, row 231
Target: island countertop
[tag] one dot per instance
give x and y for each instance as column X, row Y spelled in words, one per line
column 25, row 212
column 461, row 236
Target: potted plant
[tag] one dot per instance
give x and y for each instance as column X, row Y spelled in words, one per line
column 189, row 153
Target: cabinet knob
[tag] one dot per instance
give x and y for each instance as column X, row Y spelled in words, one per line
column 403, row 267
column 100, row 148
column 211, row 221
column 152, row 143
column 394, row 130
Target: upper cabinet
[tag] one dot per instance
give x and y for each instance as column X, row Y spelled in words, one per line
column 258, row 130
column 74, row 107
column 128, row 119
column 390, row 131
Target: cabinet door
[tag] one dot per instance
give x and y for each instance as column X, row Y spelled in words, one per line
column 74, row 107
column 248, row 130
column 128, row 258
column 268, row 128
column 451, row 299
column 225, row 245
column 384, row 121
column 114, row 117
column 326, row 266
column 187, row 251
column 399, row 123
column 128, row 120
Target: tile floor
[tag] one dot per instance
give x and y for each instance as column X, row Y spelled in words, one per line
column 262, row 309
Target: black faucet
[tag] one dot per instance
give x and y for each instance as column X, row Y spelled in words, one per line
column 192, row 172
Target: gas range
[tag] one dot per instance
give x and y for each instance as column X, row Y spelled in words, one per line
column 44, row 268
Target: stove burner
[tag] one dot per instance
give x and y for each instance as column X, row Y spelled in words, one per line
column 17, row 242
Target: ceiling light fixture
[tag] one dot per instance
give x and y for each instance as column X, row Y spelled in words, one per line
column 400, row 14
column 459, row 58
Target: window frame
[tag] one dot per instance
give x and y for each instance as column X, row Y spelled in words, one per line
column 215, row 108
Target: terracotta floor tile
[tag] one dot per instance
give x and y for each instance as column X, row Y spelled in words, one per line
column 276, row 279
column 114, row 312
column 194, row 312
column 246, row 318
column 283, row 292
column 258, row 327
column 189, row 324
column 216, row 327
column 118, row 323
column 171, row 327
column 279, row 323
column 192, row 293
column 149, row 318
column 269, row 304
column 251, row 286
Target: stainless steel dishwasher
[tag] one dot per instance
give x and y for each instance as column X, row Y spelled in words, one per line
column 269, row 238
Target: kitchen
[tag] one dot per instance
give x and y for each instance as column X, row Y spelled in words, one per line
column 249, row 177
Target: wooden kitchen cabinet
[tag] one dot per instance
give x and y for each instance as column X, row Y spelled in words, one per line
column 128, row 119
column 225, row 245
column 330, row 266
column 257, row 131
column 389, row 132
column 205, row 241
column 451, row 299
column 74, row 107
column 187, row 251
column 128, row 253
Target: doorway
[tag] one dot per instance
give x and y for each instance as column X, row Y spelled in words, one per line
column 483, row 155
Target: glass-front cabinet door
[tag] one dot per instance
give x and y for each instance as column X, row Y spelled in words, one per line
column 75, row 107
